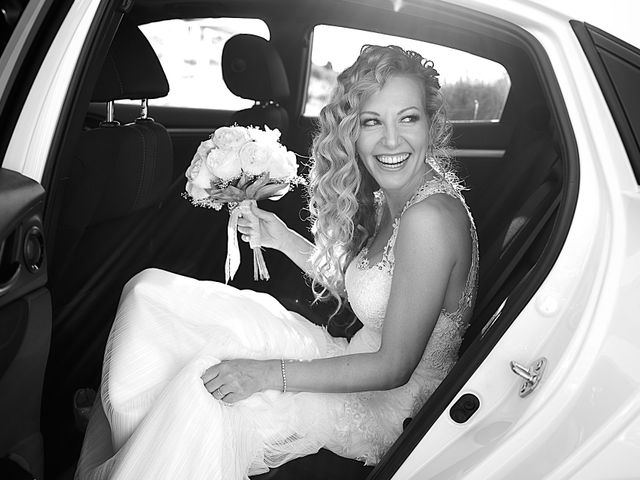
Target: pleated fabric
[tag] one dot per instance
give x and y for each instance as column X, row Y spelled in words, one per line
column 155, row 419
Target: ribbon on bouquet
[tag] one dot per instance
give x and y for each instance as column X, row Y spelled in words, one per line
column 232, row 262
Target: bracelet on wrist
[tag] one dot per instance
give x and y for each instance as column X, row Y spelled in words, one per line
column 283, row 371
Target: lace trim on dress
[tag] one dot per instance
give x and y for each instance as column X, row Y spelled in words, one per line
column 449, row 185
column 362, row 260
column 362, row 419
column 358, row 410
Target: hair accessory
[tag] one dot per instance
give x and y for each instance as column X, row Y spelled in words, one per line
column 284, row 376
column 432, row 73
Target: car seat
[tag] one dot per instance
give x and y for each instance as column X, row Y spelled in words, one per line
column 514, row 215
column 117, row 178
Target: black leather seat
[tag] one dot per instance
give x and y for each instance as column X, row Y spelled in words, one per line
column 118, row 176
column 252, row 69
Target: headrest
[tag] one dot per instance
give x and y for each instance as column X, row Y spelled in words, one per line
column 253, row 69
column 131, row 70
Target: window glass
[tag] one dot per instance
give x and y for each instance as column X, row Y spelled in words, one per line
column 190, row 52
column 475, row 88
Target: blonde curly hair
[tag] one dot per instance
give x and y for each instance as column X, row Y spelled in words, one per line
column 341, row 190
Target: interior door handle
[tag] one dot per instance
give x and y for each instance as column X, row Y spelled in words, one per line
column 6, row 286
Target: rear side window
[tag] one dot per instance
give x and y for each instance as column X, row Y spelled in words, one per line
column 616, row 65
column 475, row 88
column 190, row 52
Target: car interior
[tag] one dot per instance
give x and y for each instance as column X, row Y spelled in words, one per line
column 114, row 204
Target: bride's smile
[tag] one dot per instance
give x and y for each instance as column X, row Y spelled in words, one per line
column 392, row 162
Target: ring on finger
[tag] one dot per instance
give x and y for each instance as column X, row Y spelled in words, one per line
column 217, row 393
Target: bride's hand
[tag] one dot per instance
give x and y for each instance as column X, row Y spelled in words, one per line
column 233, row 380
column 260, row 228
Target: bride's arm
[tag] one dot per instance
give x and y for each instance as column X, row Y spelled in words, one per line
column 267, row 230
column 430, row 240
column 428, row 243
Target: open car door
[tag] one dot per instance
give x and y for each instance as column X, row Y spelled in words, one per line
column 25, row 321
column 25, row 305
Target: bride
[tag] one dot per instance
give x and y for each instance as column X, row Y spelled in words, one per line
column 205, row 381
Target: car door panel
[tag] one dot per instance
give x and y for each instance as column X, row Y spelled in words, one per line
column 25, row 317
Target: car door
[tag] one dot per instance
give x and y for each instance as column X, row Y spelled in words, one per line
column 25, row 305
column 40, row 47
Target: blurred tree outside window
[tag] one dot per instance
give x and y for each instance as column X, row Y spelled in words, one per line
column 475, row 88
column 190, row 52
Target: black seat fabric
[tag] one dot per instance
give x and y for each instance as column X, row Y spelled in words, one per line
column 118, row 171
column 514, row 214
column 253, row 69
column 116, row 181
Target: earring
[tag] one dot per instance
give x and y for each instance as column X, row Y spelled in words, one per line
column 432, row 162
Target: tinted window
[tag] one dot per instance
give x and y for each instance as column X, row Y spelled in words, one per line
column 475, row 88
column 190, row 52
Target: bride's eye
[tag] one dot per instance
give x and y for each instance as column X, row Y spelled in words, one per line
column 369, row 122
column 410, row 118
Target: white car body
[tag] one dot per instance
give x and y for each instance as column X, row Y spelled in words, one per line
column 583, row 420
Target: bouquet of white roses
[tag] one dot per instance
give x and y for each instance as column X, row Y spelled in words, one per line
column 238, row 165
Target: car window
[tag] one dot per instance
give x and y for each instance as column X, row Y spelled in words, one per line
column 190, row 52
column 616, row 65
column 475, row 88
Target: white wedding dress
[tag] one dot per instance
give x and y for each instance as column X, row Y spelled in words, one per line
column 154, row 419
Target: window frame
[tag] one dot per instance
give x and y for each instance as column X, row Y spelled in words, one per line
column 594, row 40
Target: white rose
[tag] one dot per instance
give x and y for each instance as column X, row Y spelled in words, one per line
column 283, row 165
column 205, row 147
column 255, row 158
column 230, row 137
column 265, row 136
column 223, row 163
column 198, row 173
column 195, row 192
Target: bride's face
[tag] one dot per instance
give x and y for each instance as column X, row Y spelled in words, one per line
column 393, row 138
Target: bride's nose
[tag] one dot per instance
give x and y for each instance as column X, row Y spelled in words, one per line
column 390, row 136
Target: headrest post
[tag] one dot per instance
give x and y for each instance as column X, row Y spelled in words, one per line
column 144, row 109
column 110, row 122
column 110, row 111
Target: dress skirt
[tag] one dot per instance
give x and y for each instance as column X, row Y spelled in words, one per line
column 154, row 418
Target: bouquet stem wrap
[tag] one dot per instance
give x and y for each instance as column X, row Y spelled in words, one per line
column 232, row 262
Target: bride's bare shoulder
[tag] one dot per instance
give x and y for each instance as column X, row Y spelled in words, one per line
column 441, row 215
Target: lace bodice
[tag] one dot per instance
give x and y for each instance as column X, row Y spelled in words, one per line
column 368, row 286
column 379, row 415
